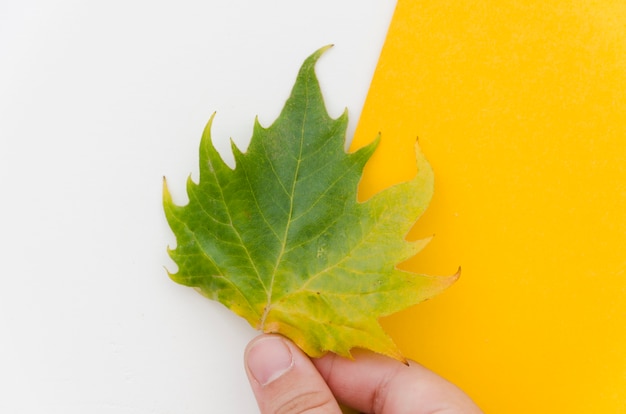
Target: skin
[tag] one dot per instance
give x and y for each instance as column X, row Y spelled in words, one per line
column 285, row 381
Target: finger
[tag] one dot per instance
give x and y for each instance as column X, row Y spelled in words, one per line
column 284, row 380
column 376, row 384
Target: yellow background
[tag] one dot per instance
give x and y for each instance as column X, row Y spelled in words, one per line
column 520, row 106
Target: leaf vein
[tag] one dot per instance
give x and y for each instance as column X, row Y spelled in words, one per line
column 236, row 231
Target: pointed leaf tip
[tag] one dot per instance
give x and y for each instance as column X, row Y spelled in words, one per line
column 310, row 61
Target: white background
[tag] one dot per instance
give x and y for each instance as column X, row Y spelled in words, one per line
column 99, row 101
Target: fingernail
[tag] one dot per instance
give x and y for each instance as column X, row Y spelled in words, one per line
column 268, row 359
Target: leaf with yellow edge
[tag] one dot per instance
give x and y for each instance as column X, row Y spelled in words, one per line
column 282, row 240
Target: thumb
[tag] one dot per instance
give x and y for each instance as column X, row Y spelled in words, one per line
column 284, row 380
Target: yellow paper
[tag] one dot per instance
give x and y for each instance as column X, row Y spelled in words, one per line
column 520, row 106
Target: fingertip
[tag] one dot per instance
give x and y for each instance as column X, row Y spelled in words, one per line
column 267, row 358
column 283, row 378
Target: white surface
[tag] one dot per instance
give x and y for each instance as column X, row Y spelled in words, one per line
column 98, row 101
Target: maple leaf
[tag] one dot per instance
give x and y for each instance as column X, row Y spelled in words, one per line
column 282, row 240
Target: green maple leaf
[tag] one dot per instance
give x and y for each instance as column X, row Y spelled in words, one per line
column 282, row 241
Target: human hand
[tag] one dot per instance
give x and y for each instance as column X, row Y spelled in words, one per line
column 285, row 381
